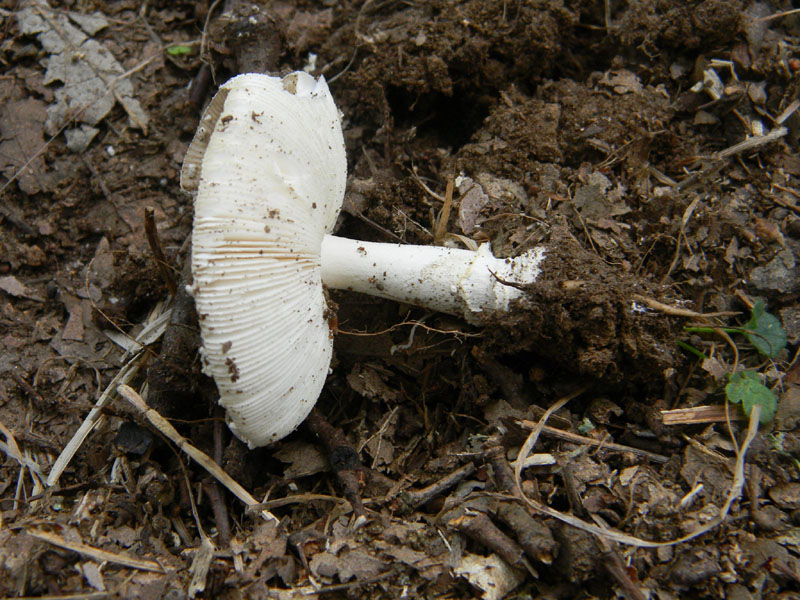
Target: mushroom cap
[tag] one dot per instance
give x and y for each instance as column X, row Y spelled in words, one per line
column 268, row 167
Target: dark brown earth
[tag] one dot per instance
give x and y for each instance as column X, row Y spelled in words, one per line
column 563, row 125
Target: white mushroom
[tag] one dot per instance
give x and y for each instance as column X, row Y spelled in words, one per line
column 268, row 167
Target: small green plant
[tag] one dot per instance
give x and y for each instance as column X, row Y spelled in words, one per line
column 745, row 387
column 763, row 330
column 765, row 333
column 179, row 50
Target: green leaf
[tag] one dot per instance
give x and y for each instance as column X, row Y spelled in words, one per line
column 746, row 387
column 179, row 50
column 765, row 332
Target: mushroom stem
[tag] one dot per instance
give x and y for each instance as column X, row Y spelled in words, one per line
column 459, row 282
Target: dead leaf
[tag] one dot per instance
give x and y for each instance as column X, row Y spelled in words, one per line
column 346, row 566
column 715, row 368
column 303, row 460
column 14, row 287
column 379, row 446
column 732, row 251
column 788, row 414
column 124, row 536
column 74, row 328
column 270, row 543
column 768, row 230
column 307, row 29
column 486, row 189
column 22, row 131
column 92, row 77
column 699, row 467
column 472, row 200
column 93, row 575
column 489, row 574
column 101, row 268
column 404, row 554
column 755, row 26
column 702, row 117
column 15, row 553
column 622, row 81
column 786, row 495
column 366, row 380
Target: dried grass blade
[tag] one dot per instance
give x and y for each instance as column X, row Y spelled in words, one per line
column 13, row 450
column 200, row 457
column 91, row 421
column 96, row 553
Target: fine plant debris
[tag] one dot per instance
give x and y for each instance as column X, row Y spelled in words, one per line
column 622, row 423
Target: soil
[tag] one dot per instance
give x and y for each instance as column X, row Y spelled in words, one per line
column 608, row 133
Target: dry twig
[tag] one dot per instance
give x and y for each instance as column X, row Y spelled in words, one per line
column 440, row 227
column 679, row 312
column 480, row 528
column 699, row 414
column 343, row 459
column 416, row 498
column 155, row 247
column 296, row 499
column 533, row 536
column 568, row 436
column 195, row 453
